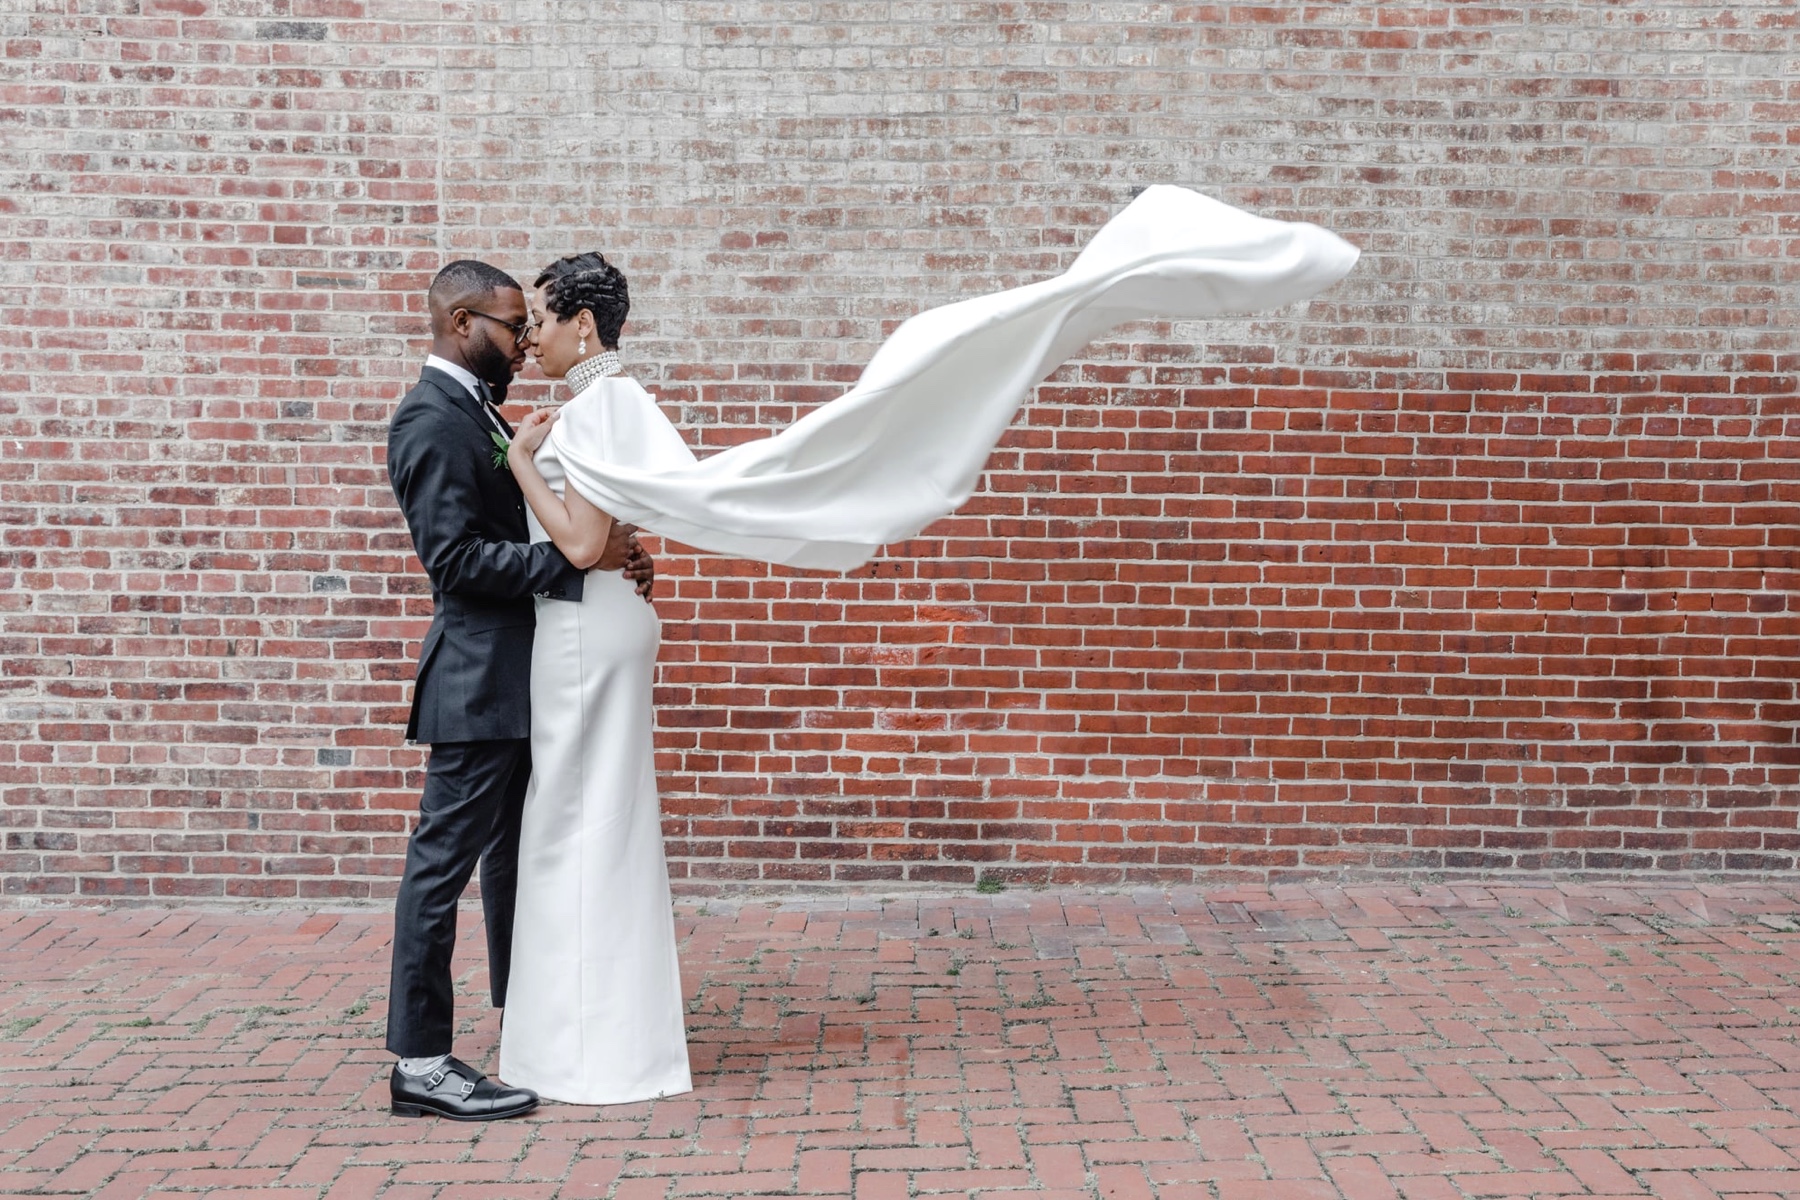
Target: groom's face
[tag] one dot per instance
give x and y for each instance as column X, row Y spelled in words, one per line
column 493, row 353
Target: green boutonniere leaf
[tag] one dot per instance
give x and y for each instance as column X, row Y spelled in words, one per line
column 500, row 445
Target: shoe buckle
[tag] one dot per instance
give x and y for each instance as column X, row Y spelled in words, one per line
column 437, row 1077
column 468, row 1085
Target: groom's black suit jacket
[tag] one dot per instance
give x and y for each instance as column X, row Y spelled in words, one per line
column 467, row 518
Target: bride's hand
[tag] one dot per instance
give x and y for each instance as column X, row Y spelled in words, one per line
column 532, row 432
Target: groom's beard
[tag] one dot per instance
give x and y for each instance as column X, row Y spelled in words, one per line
column 493, row 366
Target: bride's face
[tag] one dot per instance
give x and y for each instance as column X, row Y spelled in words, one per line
column 557, row 342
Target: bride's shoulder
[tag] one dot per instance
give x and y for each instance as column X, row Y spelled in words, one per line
column 595, row 407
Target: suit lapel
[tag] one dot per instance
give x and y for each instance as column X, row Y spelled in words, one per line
column 459, row 398
column 507, row 503
column 500, row 418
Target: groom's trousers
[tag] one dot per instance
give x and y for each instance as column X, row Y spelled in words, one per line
column 474, row 797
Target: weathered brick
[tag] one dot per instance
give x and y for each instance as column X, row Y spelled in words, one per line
column 1494, row 540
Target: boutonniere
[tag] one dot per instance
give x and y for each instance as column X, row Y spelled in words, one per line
column 500, row 447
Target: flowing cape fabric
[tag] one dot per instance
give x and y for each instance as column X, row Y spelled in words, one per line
column 907, row 444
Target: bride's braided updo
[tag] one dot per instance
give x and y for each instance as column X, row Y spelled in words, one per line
column 579, row 281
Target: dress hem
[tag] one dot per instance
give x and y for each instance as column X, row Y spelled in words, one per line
column 663, row 1094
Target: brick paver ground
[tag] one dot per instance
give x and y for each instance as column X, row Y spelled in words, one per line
column 1247, row 1043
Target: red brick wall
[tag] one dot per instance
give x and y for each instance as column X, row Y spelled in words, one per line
column 1483, row 561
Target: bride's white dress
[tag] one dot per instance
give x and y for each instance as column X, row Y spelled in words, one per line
column 594, row 1009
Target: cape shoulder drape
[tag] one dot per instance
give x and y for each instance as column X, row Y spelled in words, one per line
column 907, row 444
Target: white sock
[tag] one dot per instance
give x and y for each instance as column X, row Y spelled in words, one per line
column 422, row 1066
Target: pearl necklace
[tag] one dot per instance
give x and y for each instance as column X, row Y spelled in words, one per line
column 598, row 366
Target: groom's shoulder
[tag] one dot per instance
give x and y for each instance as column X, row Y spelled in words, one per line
column 423, row 405
column 425, row 428
column 430, row 387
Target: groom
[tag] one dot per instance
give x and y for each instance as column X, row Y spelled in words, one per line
column 472, row 702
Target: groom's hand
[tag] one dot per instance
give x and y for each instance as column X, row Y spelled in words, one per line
column 619, row 541
column 624, row 554
column 640, row 568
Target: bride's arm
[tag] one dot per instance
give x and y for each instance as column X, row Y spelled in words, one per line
column 576, row 527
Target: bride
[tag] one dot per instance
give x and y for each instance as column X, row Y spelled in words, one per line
column 594, row 1013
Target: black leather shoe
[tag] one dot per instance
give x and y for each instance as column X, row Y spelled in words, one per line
column 458, row 1092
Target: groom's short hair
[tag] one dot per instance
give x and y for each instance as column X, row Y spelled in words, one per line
column 462, row 283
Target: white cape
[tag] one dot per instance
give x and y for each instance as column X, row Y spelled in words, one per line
column 907, row 444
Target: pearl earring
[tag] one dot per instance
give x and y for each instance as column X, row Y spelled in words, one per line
column 582, row 349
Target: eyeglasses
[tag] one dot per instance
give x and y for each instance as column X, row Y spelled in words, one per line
column 521, row 331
